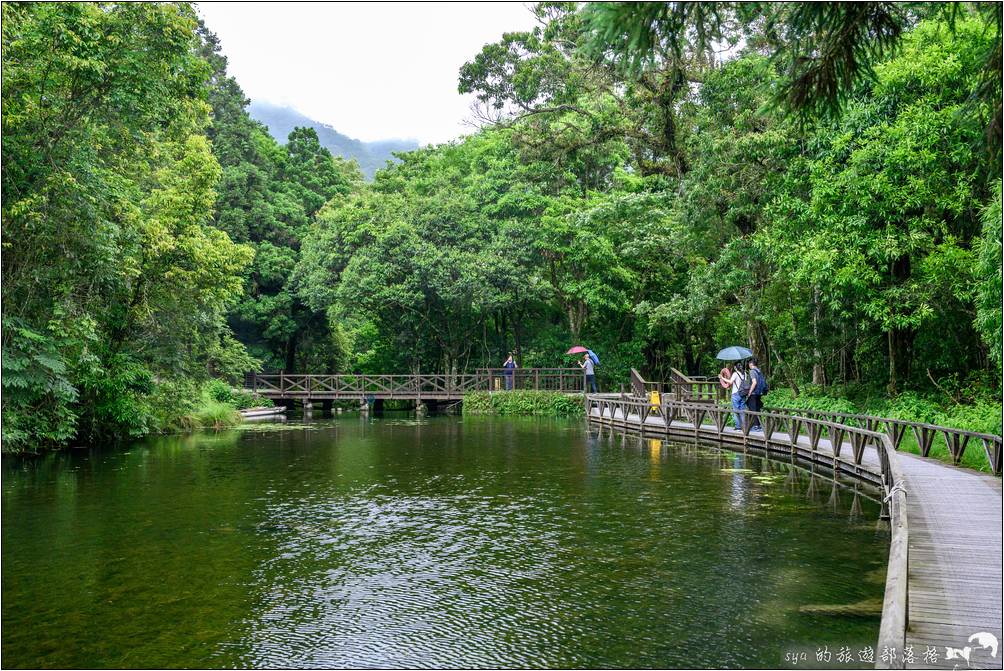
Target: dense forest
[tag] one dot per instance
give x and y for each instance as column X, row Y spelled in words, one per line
column 818, row 181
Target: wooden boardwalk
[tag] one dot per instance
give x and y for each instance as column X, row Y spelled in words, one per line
column 955, row 561
column 955, row 547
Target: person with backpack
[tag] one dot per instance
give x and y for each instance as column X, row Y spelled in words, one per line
column 740, row 383
column 758, row 388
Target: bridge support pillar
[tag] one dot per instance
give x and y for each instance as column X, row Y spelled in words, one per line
column 421, row 408
column 308, row 409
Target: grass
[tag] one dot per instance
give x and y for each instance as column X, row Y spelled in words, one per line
column 216, row 415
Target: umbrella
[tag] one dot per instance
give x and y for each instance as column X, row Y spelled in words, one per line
column 734, row 353
column 578, row 349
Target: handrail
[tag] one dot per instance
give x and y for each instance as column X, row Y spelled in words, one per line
column 692, row 388
column 892, row 629
column 640, row 387
column 956, row 440
column 416, row 385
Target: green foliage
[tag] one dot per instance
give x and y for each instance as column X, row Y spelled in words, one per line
column 216, row 415
column 630, row 191
column 109, row 187
column 218, row 391
column 990, row 278
column 173, row 404
column 523, row 403
column 811, row 398
column 37, row 394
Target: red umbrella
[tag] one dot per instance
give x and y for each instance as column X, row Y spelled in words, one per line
column 578, row 349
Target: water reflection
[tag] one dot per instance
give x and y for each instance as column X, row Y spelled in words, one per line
column 443, row 541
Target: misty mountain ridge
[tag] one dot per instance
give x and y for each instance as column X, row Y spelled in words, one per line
column 371, row 156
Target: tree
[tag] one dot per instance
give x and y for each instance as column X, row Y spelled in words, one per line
column 112, row 276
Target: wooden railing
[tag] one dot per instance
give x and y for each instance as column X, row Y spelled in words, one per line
column 642, row 388
column 415, row 386
column 567, row 380
column 793, row 436
column 701, row 389
column 955, row 440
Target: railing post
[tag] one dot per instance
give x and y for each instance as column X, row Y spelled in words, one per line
column 282, row 382
column 536, row 379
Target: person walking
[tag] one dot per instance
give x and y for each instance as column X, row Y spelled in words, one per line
column 740, row 385
column 510, row 371
column 758, row 387
column 588, row 366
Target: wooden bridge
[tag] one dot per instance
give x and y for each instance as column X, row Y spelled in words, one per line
column 944, row 577
column 417, row 387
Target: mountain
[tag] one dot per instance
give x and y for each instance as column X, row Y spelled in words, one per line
column 371, row 156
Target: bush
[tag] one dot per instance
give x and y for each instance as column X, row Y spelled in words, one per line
column 216, row 415
column 173, row 405
column 524, row 403
column 221, row 392
column 808, row 400
column 38, row 397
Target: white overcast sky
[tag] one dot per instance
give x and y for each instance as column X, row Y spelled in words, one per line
column 372, row 70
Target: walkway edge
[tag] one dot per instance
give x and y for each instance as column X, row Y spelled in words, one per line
column 892, row 629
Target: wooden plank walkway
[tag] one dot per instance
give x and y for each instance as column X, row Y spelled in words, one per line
column 956, row 538
column 955, row 562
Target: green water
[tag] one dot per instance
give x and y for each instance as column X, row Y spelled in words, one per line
column 447, row 541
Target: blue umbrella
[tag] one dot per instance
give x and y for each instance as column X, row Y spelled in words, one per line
column 734, row 353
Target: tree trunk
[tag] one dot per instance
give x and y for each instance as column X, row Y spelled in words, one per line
column 900, row 340
column 576, row 318
column 818, row 370
column 900, row 356
column 291, row 354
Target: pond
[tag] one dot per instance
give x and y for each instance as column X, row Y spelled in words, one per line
column 444, row 541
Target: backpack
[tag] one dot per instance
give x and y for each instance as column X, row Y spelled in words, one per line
column 592, row 355
column 762, row 388
column 744, row 385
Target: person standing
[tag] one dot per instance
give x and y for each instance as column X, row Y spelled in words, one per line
column 758, row 386
column 510, row 371
column 739, row 389
column 588, row 366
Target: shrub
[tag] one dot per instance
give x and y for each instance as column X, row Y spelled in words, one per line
column 173, row 405
column 515, row 403
column 216, row 415
column 808, row 400
column 221, row 392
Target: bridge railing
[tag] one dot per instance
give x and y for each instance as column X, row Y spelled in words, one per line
column 568, row 380
column 794, row 435
column 701, row 389
column 927, row 435
column 955, row 440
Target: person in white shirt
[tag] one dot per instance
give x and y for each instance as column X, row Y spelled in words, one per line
column 738, row 401
column 587, row 365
